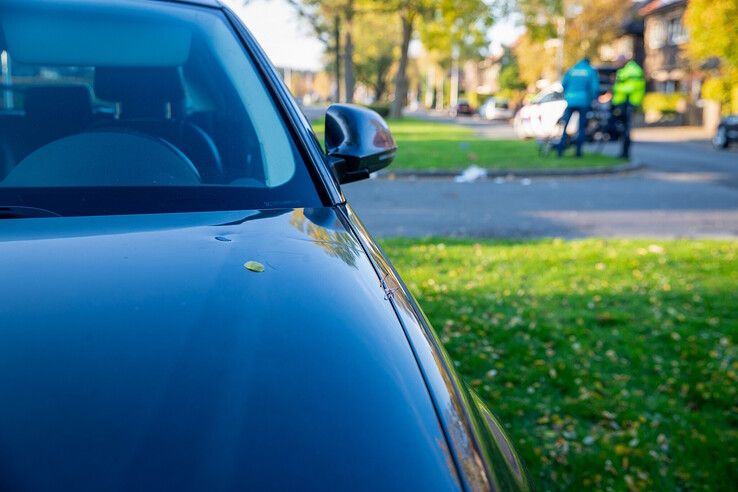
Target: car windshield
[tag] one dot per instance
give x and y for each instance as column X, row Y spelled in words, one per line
column 548, row 96
column 137, row 107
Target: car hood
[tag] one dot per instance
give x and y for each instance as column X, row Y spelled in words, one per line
column 138, row 352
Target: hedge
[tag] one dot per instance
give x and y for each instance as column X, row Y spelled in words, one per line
column 662, row 103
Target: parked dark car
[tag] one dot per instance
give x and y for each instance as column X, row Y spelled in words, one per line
column 726, row 133
column 462, row 108
column 189, row 303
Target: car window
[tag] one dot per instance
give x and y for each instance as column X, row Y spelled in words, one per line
column 541, row 98
column 549, row 96
column 157, row 101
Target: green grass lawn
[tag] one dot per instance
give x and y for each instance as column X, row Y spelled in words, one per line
column 612, row 363
column 427, row 145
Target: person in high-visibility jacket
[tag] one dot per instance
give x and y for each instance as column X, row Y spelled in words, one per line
column 627, row 95
column 581, row 87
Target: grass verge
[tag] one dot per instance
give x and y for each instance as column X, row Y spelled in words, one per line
column 427, row 145
column 612, row 363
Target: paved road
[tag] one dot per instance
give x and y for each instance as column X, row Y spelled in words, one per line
column 688, row 190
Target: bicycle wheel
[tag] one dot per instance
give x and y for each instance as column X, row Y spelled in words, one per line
column 599, row 139
column 597, row 134
column 552, row 141
column 547, row 145
column 544, row 146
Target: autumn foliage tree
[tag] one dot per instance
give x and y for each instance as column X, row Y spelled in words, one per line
column 585, row 24
column 533, row 60
column 443, row 25
column 408, row 13
column 376, row 41
column 713, row 32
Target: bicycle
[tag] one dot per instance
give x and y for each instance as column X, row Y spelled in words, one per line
column 603, row 126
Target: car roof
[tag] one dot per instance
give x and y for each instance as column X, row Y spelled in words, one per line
column 555, row 87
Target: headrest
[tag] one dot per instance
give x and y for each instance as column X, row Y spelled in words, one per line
column 58, row 103
column 154, row 84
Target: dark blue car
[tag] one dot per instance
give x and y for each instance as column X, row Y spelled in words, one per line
column 188, row 302
column 726, row 133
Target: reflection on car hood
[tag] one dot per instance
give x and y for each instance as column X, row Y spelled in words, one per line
column 137, row 352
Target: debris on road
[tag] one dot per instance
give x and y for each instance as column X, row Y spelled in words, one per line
column 471, row 174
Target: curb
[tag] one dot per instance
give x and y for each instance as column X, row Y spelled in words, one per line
column 518, row 173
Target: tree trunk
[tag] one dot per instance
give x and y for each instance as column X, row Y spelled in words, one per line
column 401, row 85
column 380, row 84
column 348, row 53
column 380, row 87
column 440, row 97
column 337, row 53
column 348, row 67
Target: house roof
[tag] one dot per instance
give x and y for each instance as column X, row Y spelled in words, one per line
column 655, row 5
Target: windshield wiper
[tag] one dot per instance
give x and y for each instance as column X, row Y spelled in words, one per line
column 20, row 212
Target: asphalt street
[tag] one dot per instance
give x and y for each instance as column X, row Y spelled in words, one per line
column 687, row 190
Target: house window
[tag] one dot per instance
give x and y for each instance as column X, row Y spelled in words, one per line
column 667, row 86
column 656, row 33
column 677, row 33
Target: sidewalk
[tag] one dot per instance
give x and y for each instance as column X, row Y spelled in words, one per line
column 671, row 134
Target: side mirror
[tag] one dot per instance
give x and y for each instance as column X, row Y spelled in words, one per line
column 357, row 141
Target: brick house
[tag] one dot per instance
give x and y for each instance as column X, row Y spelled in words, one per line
column 665, row 39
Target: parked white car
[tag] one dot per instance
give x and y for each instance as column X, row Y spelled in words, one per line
column 538, row 118
column 496, row 109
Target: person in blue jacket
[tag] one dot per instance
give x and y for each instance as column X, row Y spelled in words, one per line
column 581, row 87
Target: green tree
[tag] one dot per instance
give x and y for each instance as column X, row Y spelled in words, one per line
column 540, row 17
column 442, row 24
column 333, row 23
column 376, row 38
column 510, row 77
column 409, row 13
column 511, row 85
column 460, row 25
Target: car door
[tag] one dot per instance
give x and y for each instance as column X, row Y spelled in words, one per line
column 552, row 109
